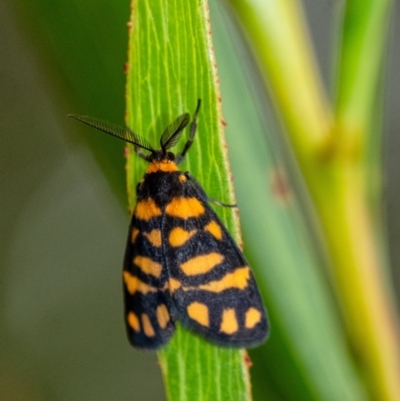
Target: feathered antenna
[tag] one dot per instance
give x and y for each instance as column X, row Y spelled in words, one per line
column 173, row 132
column 118, row 131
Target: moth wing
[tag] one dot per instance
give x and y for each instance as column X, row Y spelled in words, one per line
column 147, row 301
column 210, row 281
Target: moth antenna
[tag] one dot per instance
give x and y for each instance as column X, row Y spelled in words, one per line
column 173, row 132
column 118, row 131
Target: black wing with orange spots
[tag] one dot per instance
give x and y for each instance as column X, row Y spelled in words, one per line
column 180, row 263
column 147, row 302
column 212, row 287
column 183, row 265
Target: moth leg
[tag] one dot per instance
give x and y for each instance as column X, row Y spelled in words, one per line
column 203, row 195
column 142, row 154
column 219, row 203
column 193, row 127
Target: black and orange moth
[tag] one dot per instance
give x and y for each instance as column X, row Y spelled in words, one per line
column 181, row 264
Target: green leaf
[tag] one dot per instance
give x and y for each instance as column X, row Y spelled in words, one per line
column 194, row 369
column 331, row 155
column 170, row 66
column 308, row 346
column 83, row 63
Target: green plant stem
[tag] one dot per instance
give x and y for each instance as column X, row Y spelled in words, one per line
column 368, row 308
column 336, row 177
column 365, row 27
column 346, row 220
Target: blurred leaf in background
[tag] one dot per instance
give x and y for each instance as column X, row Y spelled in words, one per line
column 63, row 229
column 333, row 152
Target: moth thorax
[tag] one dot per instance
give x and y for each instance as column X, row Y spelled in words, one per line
column 165, row 165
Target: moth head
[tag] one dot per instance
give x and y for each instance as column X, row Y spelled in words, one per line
column 160, row 156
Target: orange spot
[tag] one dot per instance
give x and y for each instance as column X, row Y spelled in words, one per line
column 201, row 264
column 166, row 166
column 154, row 236
column 182, row 178
column 162, row 316
column 252, row 317
column 185, row 208
column 214, row 228
column 147, row 209
column 173, row 284
column 199, row 313
column 237, row 279
column 147, row 327
column 148, row 266
column 229, row 324
column 178, row 236
column 133, row 284
column 134, row 234
column 133, row 321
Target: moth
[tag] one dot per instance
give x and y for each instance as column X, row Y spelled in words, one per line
column 181, row 264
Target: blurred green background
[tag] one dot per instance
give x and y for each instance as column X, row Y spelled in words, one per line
column 64, row 226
